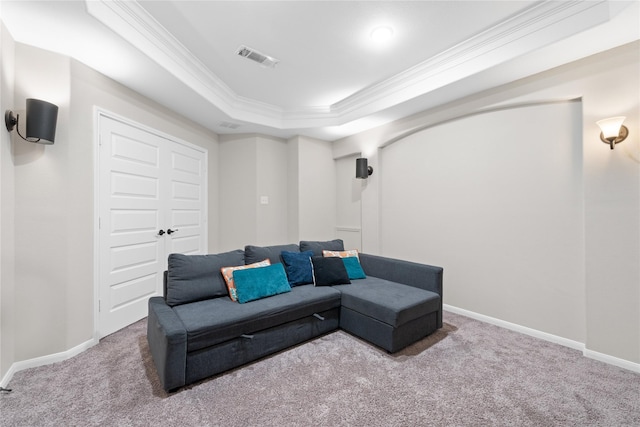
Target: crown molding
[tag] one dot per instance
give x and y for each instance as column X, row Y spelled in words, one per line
column 515, row 37
column 542, row 24
column 134, row 24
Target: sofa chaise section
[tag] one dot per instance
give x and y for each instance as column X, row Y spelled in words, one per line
column 388, row 314
column 421, row 276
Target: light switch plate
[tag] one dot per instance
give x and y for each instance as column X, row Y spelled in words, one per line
column 264, row 200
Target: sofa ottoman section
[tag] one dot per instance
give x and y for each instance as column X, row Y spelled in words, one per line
column 386, row 313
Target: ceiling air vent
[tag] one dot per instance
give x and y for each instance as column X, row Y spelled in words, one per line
column 260, row 58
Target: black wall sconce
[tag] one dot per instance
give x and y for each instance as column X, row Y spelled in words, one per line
column 41, row 121
column 362, row 169
column 613, row 131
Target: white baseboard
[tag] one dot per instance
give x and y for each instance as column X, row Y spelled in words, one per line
column 611, row 360
column 576, row 345
column 46, row 360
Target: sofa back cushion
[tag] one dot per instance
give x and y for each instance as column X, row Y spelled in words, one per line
column 317, row 247
column 258, row 253
column 197, row 277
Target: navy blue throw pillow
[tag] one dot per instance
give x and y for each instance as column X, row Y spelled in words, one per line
column 298, row 267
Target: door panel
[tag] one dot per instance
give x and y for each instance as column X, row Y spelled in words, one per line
column 130, row 291
column 136, row 186
column 133, row 220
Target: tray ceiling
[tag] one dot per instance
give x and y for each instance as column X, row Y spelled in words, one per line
column 331, row 78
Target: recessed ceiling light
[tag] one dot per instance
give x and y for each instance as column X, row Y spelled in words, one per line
column 381, row 34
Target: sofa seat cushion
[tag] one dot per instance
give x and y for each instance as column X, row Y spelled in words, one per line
column 218, row 320
column 388, row 302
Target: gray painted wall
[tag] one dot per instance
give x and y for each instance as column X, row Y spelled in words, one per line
column 253, row 167
column 495, row 199
column 238, row 193
column 312, row 198
column 600, row 306
column 7, row 208
column 47, row 276
column 316, row 191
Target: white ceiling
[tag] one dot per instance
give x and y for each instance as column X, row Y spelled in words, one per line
column 332, row 79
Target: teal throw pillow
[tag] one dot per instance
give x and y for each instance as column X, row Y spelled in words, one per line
column 354, row 269
column 256, row 283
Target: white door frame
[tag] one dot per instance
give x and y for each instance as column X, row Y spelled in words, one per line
column 99, row 113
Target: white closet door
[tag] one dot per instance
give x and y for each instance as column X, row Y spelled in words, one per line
column 152, row 197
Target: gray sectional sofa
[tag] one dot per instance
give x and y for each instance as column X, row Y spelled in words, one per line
column 196, row 330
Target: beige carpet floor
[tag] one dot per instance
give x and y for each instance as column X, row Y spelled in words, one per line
column 467, row 374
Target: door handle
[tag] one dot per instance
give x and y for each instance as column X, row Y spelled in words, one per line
column 160, row 233
column 170, row 231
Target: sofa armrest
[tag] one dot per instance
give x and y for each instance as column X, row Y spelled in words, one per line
column 167, row 339
column 409, row 273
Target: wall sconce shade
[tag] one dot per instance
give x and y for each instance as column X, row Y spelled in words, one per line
column 362, row 169
column 613, row 132
column 42, row 117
